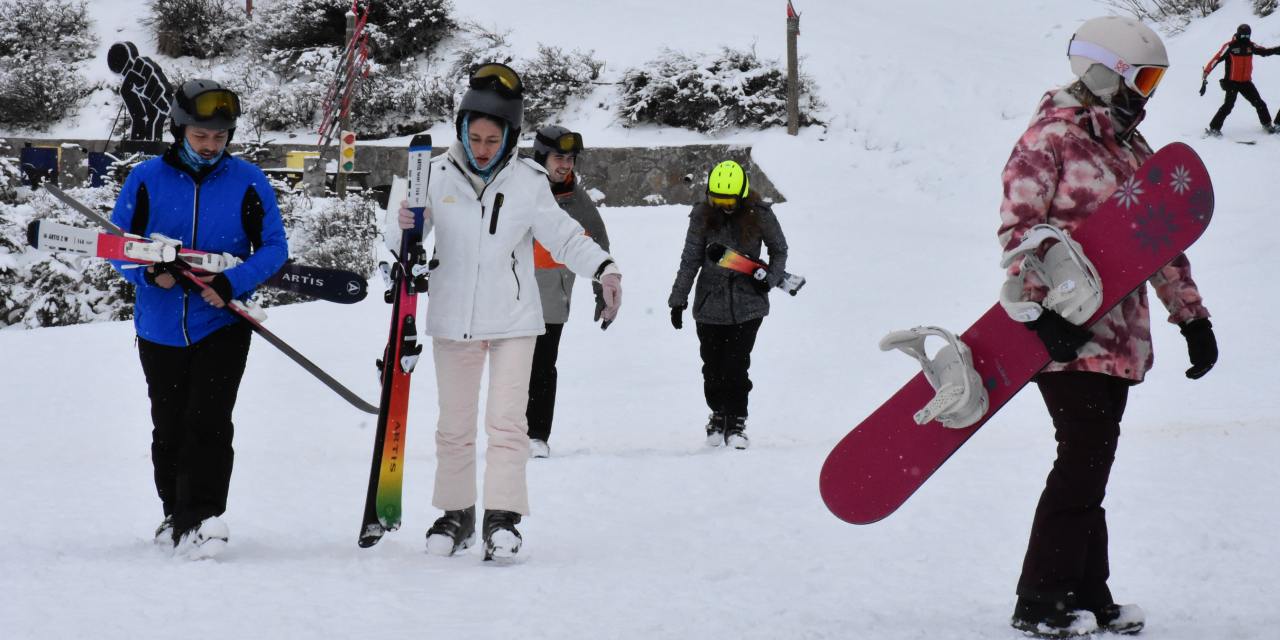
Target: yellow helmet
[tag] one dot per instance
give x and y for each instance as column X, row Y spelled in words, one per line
column 727, row 185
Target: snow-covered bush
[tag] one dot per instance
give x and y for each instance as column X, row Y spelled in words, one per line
column 553, row 77
column 40, row 44
column 1265, row 7
column 398, row 29
column 711, row 92
column 393, row 100
column 1175, row 12
column 10, row 175
column 44, row 28
column 399, row 101
column 39, row 91
column 199, row 28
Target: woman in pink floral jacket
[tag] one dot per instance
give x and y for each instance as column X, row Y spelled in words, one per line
column 1081, row 144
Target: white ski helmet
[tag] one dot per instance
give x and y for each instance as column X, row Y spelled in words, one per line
column 1105, row 51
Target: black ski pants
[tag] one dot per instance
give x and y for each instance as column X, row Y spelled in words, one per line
column 1250, row 93
column 726, row 357
column 542, row 383
column 1067, row 552
column 193, row 391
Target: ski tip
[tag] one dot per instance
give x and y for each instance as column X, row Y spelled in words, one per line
column 370, row 536
column 420, row 142
column 33, row 233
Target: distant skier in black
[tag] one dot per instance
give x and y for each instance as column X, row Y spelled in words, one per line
column 1238, row 80
column 145, row 90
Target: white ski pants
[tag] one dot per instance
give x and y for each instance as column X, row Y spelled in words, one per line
column 459, row 366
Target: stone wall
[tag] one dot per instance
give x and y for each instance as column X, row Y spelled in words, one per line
column 627, row 176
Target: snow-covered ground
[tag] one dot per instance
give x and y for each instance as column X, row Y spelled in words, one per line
column 637, row 531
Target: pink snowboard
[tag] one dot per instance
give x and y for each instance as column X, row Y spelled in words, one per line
column 1148, row 222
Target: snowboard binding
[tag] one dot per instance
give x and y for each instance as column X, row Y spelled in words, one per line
column 960, row 399
column 1075, row 290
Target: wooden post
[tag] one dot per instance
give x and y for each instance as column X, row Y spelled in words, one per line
column 248, row 9
column 793, row 71
column 340, row 181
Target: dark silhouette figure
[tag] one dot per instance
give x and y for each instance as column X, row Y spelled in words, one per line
column 145, row 90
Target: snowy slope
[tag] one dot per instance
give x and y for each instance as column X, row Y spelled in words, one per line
column 638, row 532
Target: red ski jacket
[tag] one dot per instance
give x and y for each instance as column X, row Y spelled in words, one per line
column 1239, row 56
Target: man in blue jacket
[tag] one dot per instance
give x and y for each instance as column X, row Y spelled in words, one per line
column 192, row 348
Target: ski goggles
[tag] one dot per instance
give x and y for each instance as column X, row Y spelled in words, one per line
column 211, row 104
column 499, row 77
column 723, row 201
column 566, row 143
column 1143, row 78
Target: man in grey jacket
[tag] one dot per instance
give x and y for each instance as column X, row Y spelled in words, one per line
column 556, row 148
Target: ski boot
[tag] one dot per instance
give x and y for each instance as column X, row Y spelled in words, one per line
column 735, row 436
column 501, row 540
column 164, row 533
column 1212, row 133
column 715, row 429
column 1053, row 619
column 539, row 448
column 452, row 532
column 1124, row 619
column 206, row 540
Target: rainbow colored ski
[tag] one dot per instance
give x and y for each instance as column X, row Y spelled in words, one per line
column 383, row 507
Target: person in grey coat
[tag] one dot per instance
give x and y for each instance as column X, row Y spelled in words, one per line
column 556, row 149
column 728, row 306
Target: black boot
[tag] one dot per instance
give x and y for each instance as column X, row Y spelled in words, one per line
column 715, row 429
column 501, row 540
column 1059, row 619
column 452, row 532
column 1125, row 619
column 735, row 432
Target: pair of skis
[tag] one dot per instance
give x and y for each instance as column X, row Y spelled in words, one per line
column 332, row 285
column 407, row 277
column 171, row 254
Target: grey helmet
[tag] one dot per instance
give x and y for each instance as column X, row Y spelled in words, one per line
column 494, row 90
column 1106, row 52
column 218, row 110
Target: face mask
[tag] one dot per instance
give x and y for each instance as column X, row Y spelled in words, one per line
column 1127, row 109
column 193, row 159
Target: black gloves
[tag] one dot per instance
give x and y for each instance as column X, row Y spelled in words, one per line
column 1202, row 347
column 222, row 286
column 599, row 291
column 1059, row 336
column 677, row 319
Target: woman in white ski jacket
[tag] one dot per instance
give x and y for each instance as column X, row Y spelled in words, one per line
column 486, row 207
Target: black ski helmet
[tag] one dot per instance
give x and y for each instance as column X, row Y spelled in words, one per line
column 494, row 90
column 204, row 103
column 1244, row 31
column 554, row 138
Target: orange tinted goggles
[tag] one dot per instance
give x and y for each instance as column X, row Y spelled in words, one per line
column 1144, row 80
